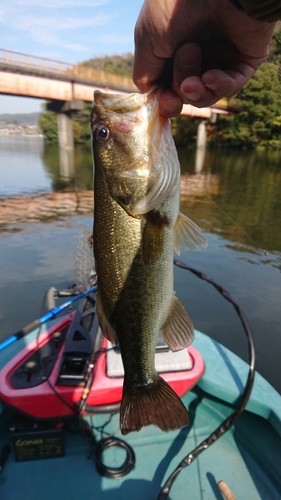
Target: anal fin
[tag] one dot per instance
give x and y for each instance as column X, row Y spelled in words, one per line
column 152, row 404
column 178, row 331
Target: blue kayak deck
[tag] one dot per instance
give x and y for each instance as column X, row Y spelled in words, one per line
column 247, row 457
column 250, row 467
column 225, row 378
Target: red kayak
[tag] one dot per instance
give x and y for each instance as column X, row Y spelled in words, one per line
column 70, row 368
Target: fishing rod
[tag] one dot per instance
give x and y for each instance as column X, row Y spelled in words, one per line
column 46, row 317
column 244, row 396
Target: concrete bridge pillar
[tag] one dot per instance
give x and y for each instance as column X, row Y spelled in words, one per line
column 202, row 142
column 200, row 146
column 67, row 167
column 65, row 131
column 201, row 134
column 64, row 110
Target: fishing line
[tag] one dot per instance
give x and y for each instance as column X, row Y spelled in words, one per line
column 264, row 252
column 231, row 419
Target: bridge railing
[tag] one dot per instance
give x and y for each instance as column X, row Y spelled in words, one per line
column 29, row 63
column 32, row 62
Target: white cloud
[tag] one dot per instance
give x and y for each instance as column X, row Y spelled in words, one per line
column 67, row 27
column 53, row 23
column 51, row 30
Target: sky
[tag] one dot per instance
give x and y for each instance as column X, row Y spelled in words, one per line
column 65, row 30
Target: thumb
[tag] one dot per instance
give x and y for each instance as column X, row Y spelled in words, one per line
column 187, row 62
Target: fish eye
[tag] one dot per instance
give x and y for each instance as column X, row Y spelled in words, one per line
column 101, row 134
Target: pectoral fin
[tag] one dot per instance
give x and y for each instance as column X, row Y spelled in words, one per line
column 178, row 331
column 187, row 235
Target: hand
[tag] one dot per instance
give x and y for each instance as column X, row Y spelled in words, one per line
column 214, row 48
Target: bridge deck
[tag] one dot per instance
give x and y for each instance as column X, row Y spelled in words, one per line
column 31, row 76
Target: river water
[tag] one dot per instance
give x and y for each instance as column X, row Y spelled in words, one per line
column 235, row 199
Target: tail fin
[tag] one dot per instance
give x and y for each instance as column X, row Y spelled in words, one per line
column 156, row 404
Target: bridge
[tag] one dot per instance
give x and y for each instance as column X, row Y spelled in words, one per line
column 68, row 86
column 32, row 76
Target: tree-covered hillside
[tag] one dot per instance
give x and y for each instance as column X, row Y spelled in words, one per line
column 258, row 104
column 258, row 120
column 122, row 65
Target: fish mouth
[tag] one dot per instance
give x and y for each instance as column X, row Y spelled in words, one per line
column 119, row 103
column 122, row 103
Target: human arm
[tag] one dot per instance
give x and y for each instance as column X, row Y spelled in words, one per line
column 214, row 48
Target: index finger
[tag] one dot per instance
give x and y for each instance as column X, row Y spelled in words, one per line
column 147, row 67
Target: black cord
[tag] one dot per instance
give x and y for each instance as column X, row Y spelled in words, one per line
column 98, row 447
column 46, row 378
column 41, row 362
column 100, row 428
column 106, row 442
column 114, row 472
column 229, row 421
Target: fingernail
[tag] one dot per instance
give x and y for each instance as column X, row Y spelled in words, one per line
column 187, row 57
column 212, row 87
column 193, row 96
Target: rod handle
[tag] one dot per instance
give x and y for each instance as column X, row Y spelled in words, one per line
column 226, row 491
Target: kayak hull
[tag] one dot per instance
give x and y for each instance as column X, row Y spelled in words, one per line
column 247, row 457
column 50, row 399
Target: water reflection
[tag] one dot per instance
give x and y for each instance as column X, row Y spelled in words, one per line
column 236, row 196
column 62, row 174
column 247, row 202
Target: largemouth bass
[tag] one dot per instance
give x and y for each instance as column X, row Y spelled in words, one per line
column 137, row 226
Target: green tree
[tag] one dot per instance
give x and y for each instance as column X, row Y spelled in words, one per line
column 259, row 105
column 81, row 125
column 48, row 125
column 257, row 121
column 184, row 130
